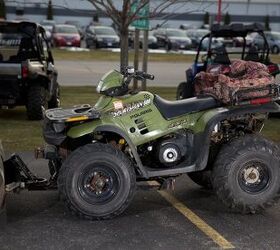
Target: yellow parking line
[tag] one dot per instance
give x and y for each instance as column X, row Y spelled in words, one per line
column 196, row 220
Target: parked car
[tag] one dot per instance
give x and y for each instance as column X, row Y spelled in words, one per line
column 48, row 23
column 172, row 39
column 48, row 29
column 65, row 35
column 273, row 39
column 152, row 40
column 101, row 37
column 2, row 187
column 195, row 35
column 77, row 25
column 27, row 72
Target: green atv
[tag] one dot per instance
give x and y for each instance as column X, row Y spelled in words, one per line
column 97, row 154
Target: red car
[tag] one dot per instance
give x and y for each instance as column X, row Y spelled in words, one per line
column 65, row 35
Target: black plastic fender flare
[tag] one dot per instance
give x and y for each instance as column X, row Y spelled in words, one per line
column 202, row 140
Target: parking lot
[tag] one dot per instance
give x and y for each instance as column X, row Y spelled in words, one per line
column 38, row 220
column 124, row 138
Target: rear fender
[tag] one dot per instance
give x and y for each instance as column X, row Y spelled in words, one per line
column 209, row 120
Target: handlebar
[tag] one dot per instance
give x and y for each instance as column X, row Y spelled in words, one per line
column 148, row 76
column 130, row 73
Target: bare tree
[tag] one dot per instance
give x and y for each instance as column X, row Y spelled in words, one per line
column 122, row 16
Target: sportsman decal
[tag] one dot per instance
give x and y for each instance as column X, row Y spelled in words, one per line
column 128, row 108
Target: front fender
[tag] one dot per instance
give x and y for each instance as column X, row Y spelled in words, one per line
column 83, row 129
column 97, row 126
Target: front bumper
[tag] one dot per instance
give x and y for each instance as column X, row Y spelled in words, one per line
column 105, row 44
column 181, row 45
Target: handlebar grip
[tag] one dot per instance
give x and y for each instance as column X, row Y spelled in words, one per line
column 148, row 76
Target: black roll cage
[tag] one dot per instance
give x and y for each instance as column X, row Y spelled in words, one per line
column 38, row 29
column 234, row 30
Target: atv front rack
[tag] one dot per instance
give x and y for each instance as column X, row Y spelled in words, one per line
column 77, row 113
column 254, row 96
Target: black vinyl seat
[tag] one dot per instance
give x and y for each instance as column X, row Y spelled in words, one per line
column 172, row 109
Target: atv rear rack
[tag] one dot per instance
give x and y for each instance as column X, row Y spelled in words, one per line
column 255, row 96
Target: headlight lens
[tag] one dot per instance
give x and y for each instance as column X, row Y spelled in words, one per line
column 100, row 39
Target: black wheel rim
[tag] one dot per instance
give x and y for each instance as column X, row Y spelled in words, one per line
column 98, row 184
column 254, row 177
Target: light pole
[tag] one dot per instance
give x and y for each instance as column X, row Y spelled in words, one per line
column 219, row 15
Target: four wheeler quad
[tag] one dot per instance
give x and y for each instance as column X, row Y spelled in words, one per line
column 27, row 73
column 98, row 154
column 224, row 55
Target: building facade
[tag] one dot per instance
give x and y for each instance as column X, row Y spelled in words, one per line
column 191, row 12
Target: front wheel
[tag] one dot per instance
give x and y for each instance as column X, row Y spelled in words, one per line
column 275, row 49
column 97, row 181
column 246, row 174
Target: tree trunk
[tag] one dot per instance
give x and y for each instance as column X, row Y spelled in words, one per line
column 124, row 47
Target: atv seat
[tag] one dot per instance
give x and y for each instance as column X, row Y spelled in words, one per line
column 172, row 109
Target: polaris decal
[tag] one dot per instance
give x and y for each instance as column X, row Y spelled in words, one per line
column 141, row 113
column 128, row 108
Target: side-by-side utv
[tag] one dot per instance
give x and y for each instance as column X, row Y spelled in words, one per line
column 237, row 43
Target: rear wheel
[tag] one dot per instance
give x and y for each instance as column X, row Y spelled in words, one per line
column 246, row 174
column 275, row 49
column 54, row 102
column 202, row 178
column 36, row 99
column 185, row 90
column 97, row 181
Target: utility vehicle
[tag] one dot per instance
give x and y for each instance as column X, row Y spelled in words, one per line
column 224, row 55
column 27, row 73
column 98, row 153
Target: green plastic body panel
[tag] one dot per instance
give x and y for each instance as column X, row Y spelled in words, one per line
column 138, row 117
column 110, row 80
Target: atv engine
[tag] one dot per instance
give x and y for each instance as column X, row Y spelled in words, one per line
column 169, row 151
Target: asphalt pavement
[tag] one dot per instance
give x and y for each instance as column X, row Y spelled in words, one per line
column 83, row 73
column 39, row 220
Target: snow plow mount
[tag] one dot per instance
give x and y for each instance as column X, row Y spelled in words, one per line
column 18, row 176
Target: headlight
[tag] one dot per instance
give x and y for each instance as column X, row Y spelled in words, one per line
column 99, row 86
column 173, row 41
column 100, row 39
